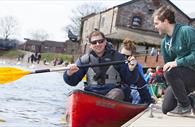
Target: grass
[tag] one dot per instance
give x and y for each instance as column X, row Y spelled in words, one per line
column 11, row 53
column 48, row 56
column 51, row 56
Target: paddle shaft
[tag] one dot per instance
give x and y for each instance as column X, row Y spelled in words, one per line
column 80, row 66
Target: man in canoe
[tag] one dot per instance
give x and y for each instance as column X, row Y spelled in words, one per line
column 178, row 50
column 112, row 81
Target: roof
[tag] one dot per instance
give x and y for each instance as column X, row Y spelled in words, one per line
column 148, row 37
column 133, row 1
column 172, row 4
column 46, row 42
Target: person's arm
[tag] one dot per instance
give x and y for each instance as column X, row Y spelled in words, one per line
column 140, row 68
column 189, row 39
column 73, row 78
column 126, row 75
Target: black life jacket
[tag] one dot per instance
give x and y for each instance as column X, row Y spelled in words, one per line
column 101, row 75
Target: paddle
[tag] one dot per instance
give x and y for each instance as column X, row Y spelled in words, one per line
column 9, row 74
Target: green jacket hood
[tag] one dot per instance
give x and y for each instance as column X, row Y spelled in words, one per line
column 176, row 29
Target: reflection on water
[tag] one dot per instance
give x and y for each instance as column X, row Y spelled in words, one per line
column 36, row 100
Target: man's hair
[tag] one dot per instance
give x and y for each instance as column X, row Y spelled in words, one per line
column 165, row 12
column 95, row 33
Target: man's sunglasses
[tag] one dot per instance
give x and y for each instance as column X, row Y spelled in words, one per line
column 97, row 41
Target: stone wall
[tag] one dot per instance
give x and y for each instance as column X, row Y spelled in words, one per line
column 144, row 9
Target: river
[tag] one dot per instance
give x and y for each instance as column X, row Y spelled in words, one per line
column 36, row 100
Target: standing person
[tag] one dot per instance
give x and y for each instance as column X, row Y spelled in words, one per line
column 178, row 50
column 38, row 58
column 112, row 81
column 32, row 58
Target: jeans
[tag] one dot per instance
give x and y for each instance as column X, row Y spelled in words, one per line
column 182, row 82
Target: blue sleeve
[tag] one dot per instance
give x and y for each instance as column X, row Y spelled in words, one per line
column 147, row 77
column 74, row 79
column 140, row 68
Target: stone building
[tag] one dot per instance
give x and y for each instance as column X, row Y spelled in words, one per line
column 131, row 20
column 67, row 47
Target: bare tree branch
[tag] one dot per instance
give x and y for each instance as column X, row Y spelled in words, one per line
column 81, row 11
column 40, row 35
column 8, row 26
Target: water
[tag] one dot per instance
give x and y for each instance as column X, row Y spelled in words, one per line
column 36, row 100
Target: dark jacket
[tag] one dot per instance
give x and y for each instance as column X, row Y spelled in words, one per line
column 126, row 76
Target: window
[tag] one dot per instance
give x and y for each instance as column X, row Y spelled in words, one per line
column 102, row 21
column 156, row 2
column 33, row 47
column 150, row 11
column 136, row 21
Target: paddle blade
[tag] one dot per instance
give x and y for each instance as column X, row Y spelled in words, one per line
column 9, row 74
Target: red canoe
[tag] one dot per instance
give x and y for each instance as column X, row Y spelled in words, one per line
column 87, row 109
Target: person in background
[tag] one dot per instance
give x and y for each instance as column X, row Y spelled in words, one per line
column 153, row 52
column 148, row 74
column 178, row 50
column 113, row 81
column 38, row 58
column 157, row 77
column 55, row 60
column 140, row 93
column 157, row 82
column 32, row 57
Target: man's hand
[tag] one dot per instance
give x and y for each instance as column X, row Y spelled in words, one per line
column 168, row 66
column 73, row 69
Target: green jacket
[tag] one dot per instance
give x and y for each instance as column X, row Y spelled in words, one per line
column 182, row 47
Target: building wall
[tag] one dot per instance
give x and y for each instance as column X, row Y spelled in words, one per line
column 122, row 16
column 144, row 9
column 193, row 23
column 68, row 47
column 104, row 21
column 32, row 46
column 116, row 23
column 107, row 22
column 89, row 25
column 72, row 48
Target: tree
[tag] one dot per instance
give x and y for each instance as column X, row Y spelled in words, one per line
column 40, row 35
column 81, row 11
column 8, row 27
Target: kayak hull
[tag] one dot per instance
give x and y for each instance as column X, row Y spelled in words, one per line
column 87, row 109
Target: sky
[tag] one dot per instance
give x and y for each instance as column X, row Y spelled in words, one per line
column 53, row 15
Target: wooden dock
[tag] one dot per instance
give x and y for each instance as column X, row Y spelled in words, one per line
column 153, row 117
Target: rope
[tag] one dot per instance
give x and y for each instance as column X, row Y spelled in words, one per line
column 138, row 88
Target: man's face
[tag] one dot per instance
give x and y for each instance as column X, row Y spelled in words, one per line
column 98, row 44
column 159, row 25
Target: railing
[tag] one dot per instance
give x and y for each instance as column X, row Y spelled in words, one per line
column 147, row 60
